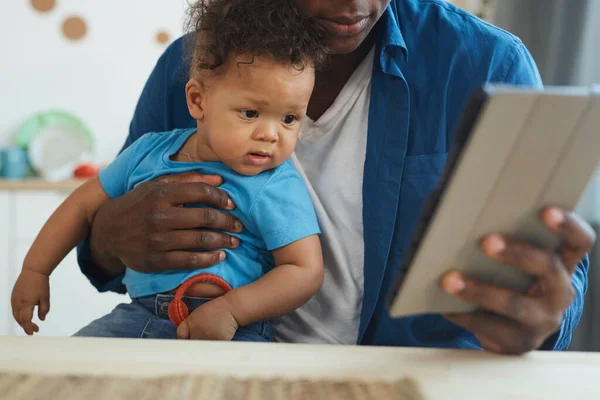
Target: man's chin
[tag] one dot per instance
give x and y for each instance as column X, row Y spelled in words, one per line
column 345, row 45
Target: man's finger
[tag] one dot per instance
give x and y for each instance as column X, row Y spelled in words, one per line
column 577, row 235
column 192, row 218
column 488, row 345
column 186, row 260
column 501, row 301
column 191, row 177
column 187, row 193
column 507, row 335
column 200, row 239
column 529, row 259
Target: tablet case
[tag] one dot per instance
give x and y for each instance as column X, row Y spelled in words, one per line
column 516, row 151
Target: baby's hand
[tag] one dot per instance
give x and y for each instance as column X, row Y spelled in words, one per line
column 210, row 321
column 31, row 289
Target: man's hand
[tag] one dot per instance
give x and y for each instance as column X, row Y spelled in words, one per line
column 210, row 321
column 31, row 289
column 516, row 323
column 148, row 230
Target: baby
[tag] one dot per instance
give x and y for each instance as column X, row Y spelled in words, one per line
column 252, row 75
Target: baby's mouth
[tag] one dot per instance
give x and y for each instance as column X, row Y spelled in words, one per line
column 258, row 158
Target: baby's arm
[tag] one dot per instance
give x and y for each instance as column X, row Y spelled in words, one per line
column 296, row 278
column 67, row 227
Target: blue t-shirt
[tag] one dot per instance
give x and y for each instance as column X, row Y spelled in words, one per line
column 274, row 207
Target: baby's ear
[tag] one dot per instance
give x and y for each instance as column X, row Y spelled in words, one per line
column 195, row 94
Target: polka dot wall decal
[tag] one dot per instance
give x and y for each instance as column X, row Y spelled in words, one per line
column 43, row 5
column 162, row 37
column 74, row 28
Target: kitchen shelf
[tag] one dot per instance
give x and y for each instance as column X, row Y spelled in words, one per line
column 40, row 184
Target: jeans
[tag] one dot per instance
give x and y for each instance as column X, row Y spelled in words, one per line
column 147, row 318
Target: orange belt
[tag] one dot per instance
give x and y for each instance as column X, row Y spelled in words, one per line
column 178, row 311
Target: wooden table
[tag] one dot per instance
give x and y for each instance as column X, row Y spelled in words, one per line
column 441, row 374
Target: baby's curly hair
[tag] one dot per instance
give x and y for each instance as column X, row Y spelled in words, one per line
column 273, row 28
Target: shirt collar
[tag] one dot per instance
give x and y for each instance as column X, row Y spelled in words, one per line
column 391, row 45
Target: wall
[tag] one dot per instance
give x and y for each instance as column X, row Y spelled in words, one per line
column 482, row 8
column 589, row 68
column 99, row 77
column 588, row 73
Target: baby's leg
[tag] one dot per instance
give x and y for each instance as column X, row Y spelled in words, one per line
column 257, row 332
column 134, row 320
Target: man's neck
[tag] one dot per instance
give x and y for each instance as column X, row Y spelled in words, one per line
column 333, row 77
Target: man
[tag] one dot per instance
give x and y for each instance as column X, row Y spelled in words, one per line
column 380, row 126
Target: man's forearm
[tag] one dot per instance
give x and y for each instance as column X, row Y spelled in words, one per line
column 100, row 278
column 111, row 266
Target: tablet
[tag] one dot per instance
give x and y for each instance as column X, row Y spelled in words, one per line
column 516, row 151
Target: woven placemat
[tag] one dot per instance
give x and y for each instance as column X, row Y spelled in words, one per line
column 47, row 387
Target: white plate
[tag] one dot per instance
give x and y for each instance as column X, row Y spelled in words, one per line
column 56, row 150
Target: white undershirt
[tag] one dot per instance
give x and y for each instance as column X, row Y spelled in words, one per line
column 330, row 156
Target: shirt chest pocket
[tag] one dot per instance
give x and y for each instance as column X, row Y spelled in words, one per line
column 421, row 176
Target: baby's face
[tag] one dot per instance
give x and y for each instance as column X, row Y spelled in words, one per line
column 252, row 113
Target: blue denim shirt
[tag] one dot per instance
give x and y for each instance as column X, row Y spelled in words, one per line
column 430, row 57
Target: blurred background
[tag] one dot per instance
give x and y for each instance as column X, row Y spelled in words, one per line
column 87, row 58
column 70, row 77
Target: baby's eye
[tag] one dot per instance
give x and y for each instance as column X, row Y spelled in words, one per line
column 289, row 119
column 250, row 114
